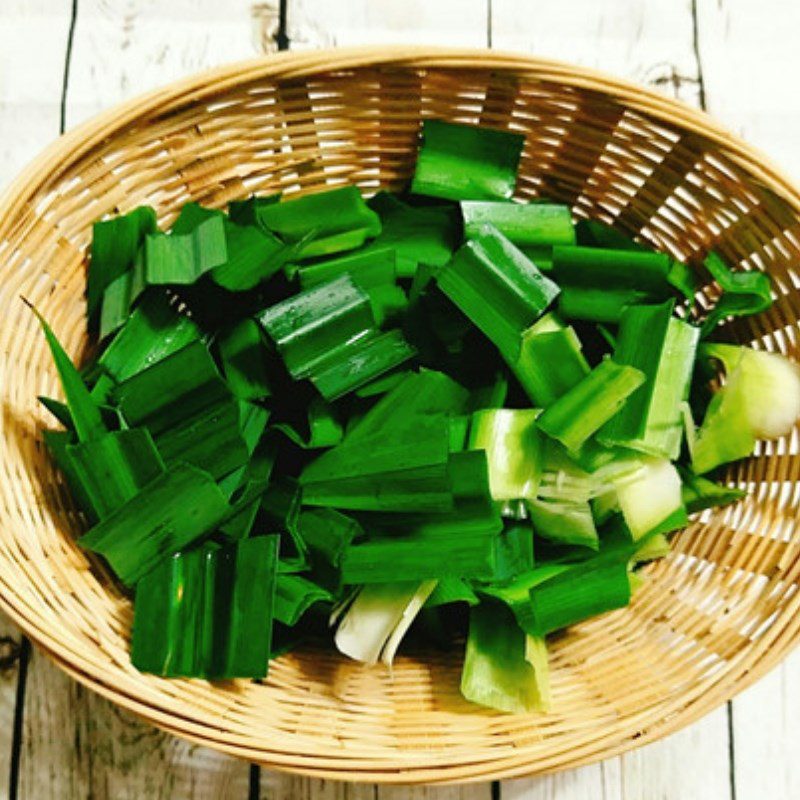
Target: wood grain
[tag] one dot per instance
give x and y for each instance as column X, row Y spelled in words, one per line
column 645, row 40
column 750, row 56
column 76, row 745
column 10, row 643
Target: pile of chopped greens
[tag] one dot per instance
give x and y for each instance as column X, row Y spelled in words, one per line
column 442, row 413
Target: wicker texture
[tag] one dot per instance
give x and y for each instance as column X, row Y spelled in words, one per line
column 716, row 614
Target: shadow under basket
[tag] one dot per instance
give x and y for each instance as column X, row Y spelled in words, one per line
column 716, row 614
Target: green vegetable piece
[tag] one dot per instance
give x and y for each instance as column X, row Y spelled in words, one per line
column 417, row 558
column 592, row 233
column 496, row 672
column 743, row 293
column 368, row 268
column 243, row 357
column 585, row 408
column 294, row 595
column 114, row 468
column 377, row 619
column 699, row 493
column 550, row 362
column 322, row 427
column 308, row 326
column 418, row 235
column 183, row 258
column 451, row 590
column 85, row 413
column 682, row 278
column 465, row 162
column 171, row 390
column 327, row 534
column 663, row 348
column 207, row 613
column 598, row 305
column 585, row 590
column 564, row 522
column 240, row 610
column 409, row 472
column 115, row 243
column 336, row 220
column 498, row 288
column 155, row 524
column 513, row 552
column 209, row 437
column 524, row 224
column 155, row 330
column 650, row 497
column 120, row 296
column 358, row 362
column 423, row 393
column 760, row 399
column 245, row 212
column 591, row 267
column 514, row 448
column 280, row 511
column 253, row 256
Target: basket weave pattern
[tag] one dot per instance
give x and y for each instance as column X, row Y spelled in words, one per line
column 716, row 614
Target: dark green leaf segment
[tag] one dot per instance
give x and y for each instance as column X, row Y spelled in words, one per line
column 441, row 409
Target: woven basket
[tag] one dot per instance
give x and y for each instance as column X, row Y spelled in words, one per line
column 716, row 614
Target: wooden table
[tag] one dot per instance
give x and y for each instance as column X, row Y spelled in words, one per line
column 63, row 60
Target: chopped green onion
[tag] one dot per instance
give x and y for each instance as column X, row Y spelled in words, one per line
column 550, row 361
column 336, row 220
column 650, row 495
column 115, row 244
column 463, row 162
column 742, row 292
column 207, row 613
column 588, row 405
column 565, row 522
column 497, row 287
column 154, row 524
column 513, row 446
column 497, row 672
column 663, row 348
column 523, row 224
column 378, row 617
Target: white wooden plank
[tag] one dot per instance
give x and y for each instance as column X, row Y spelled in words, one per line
column 77, row 745
column 602, row 780
column 749, row 55
column 766, row 735
column 125, row 47
column 646, row 40
column 33, row 38
column 692, row 763
column 322, row 23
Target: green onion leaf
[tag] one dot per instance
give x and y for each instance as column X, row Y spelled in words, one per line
column 514, row 449
column 497, row 288
column 115, row 243
column 464, row 162
column 84, row 411
column 496, row 672
column 585, row 408
column 663, row 348
column 155, row 524
column 336, row 220
column 523, row 224
column 743, row 293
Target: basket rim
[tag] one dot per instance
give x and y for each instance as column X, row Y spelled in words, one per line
column 202, row 86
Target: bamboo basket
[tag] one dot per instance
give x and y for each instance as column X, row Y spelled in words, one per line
column 714, row 616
